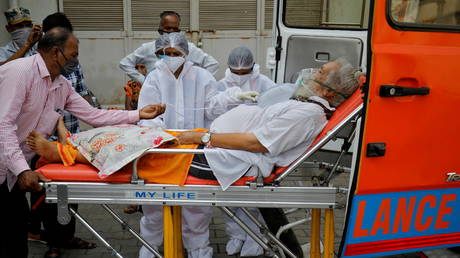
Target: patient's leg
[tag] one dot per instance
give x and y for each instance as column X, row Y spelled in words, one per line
column 47, row 149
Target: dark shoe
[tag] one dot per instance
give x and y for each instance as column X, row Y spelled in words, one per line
column 36, row 237
column 78, row 243
column 130, row 209
column 455, row 249
column 53, row 252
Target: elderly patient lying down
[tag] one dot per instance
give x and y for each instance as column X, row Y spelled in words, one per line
column 251, row 140
column 248, row 140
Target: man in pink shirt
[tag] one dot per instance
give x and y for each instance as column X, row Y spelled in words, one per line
column 31, row 90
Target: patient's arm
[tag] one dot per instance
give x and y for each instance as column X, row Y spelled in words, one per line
column 235, row 141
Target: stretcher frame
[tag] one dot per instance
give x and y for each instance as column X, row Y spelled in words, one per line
column 255, row 194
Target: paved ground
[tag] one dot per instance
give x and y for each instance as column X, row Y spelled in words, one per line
column 129, row 246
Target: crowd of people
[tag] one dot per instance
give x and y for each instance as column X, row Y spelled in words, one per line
column 172, row 86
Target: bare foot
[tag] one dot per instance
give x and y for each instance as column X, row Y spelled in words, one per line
column 43, row 147
column 61, row 131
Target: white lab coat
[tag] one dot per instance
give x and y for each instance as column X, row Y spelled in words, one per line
column 228, row 89
column 258, row 82
column 145, row 54
column 187, row 98
column 193, row 89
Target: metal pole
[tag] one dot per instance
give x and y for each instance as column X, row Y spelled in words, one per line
column 126, row 226
column 331, row 134
column 247, row 229
column 346, row 145
column 92, row 230
column 269, row 234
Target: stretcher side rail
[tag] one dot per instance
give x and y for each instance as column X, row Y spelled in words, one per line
column 331, row 134
column 158, row 194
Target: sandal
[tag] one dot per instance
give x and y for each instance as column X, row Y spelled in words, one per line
column 78, row 243
column 130, row 209
column 53, row 252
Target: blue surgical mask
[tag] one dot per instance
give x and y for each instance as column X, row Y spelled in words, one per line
column 162, row 56
column 70, row 66
column 19, row 36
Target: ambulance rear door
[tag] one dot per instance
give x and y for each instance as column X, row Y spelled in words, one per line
column 406, row 190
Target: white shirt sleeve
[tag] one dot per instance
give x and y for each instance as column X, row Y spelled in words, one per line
column 222, row 101
column 150, row 94
column 289, row 129
column 128, row 63
column 199, row 57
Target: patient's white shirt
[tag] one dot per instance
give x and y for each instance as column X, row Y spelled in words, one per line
column 286, row 129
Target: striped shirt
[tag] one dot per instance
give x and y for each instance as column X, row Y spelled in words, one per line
column 29, row 102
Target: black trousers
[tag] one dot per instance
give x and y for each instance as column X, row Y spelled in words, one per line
column 55, row 234
column 14, row 214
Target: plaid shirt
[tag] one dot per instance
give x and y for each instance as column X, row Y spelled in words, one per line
column 78, row 83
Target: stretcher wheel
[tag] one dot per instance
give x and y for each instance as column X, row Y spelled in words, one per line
column 275, row 218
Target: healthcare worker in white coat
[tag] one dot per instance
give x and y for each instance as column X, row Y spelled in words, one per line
column 242, row 77
column 187, row 91
column 244, row 73
column 145, row 54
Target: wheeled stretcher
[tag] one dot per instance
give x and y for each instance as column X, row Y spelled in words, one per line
column 81, row 184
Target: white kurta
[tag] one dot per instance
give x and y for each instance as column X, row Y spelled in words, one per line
column 187, row 98
column 145, row 54
column 285, row 129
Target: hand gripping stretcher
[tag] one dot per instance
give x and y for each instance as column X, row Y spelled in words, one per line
column 81, row 184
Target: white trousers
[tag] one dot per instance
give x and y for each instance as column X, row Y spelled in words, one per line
column 195, row 230
column 240, row 241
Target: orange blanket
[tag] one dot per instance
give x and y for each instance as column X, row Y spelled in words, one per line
column 166, row 168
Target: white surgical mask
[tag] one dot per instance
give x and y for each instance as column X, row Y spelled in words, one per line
column 20, row 36
column 237, row 80
column 173, row 62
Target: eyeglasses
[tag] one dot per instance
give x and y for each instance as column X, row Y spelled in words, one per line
column 66, row 59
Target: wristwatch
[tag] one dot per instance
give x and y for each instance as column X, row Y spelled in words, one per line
column 206, row 138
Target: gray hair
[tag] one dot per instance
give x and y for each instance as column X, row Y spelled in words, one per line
column 344, row 80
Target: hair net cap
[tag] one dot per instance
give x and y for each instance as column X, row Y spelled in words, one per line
column 241, row 58
column 172, row 40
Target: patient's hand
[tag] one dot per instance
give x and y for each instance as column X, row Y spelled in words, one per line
column 190, row 137
column 151, row 111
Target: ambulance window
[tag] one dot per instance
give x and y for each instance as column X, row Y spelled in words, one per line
column 326, row 14
column 425, row 13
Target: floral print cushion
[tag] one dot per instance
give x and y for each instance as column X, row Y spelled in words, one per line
column 110, row 148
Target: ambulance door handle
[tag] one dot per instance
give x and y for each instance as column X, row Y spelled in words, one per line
column 398, row 91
